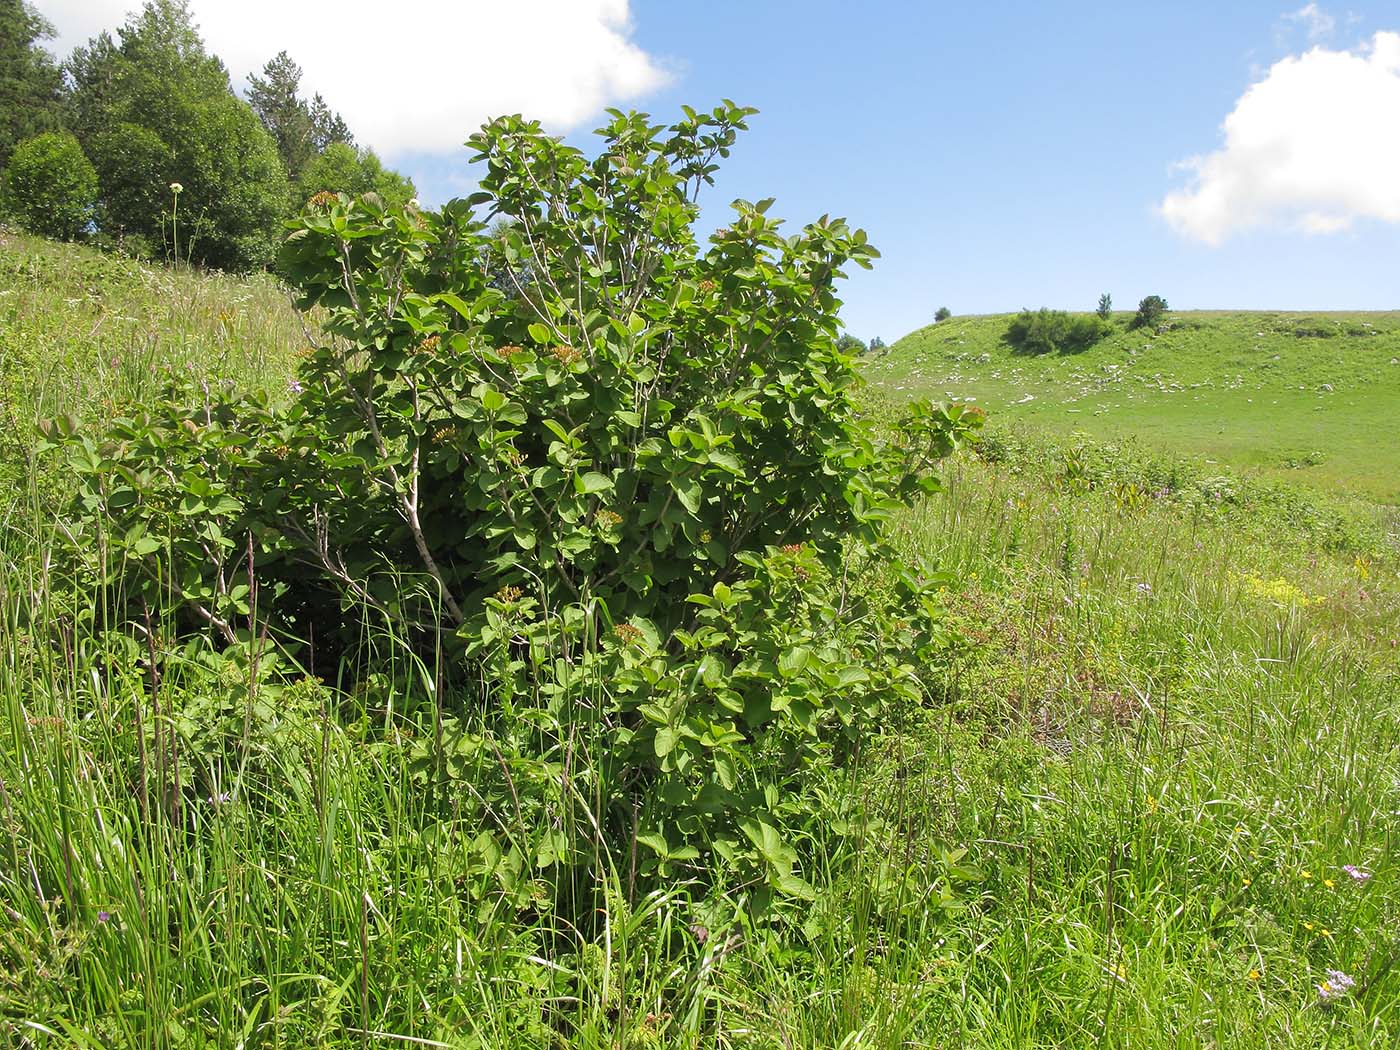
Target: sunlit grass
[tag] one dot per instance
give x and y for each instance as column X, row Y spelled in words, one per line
column 1169, row 731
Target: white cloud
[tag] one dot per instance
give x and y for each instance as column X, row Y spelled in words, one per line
column 419, row 75
column 1316, row 21
column 1311, row 146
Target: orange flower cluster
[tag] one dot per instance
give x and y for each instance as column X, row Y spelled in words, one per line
column 627, row 634
column 324, row 199
column 565, row 355
column 508, row 594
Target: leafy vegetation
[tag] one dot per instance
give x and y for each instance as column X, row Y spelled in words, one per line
column 1105, row 308
column 31, row 85
column 153, row 109
column 1149, row 312
column 1119, row 771
column 50, row 187
column 942, row 314
column 1054, row 332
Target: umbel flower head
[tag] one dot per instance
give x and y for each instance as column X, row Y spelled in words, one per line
column 176, row 188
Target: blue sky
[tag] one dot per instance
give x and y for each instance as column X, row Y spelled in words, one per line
column 1000, row 156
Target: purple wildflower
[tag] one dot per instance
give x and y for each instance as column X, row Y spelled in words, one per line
column 1357, row 874
column 295, row 386
column 1335, row 987
column 104, row 916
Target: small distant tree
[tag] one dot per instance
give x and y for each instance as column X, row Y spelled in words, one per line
column 1149, row 312
column 50, row 186
column 876, row 345
column 943, row 314
column 849, row 344
column 1105, row 308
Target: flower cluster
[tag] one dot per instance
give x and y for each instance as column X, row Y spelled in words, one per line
column 324, row 199
column 1357, row 874
column 565, row 355
column 607, row 519
column 627, row 634
column 1337, row 985
column 508, row 594
column 428, row 345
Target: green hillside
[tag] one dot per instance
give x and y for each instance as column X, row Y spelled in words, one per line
column 1311, row 398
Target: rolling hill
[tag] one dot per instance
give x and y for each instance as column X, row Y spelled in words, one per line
column 1312, row 398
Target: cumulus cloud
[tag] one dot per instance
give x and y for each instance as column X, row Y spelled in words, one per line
column 1311, row 146
column 419, row 75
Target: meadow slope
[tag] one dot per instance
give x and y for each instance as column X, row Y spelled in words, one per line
column 1311, row 398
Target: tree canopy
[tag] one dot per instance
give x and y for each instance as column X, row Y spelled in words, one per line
column 154, row 108
column 31, row 84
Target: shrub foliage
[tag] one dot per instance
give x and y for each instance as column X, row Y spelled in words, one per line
column 50, row 186
column 1149, row 312
column 608, row 482
column 1048, row 331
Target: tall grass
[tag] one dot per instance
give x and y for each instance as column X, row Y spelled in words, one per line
column 1166, row 733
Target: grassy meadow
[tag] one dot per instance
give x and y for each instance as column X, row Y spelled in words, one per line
column 1307, row 398
column 1168, row 741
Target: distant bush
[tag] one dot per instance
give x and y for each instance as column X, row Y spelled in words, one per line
column 1105, row 307
column 943, row 314
column 849, row 344
column 1149, row 312
column 876, row 345
column 50, row 186
column 1047, row 331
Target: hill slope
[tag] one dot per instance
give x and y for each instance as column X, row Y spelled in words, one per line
column 1314, row 398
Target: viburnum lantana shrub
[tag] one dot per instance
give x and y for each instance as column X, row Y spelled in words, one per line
column 619, row 472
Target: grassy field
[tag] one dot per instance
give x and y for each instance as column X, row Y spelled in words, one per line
column 1169, row 740
column 1313, row 399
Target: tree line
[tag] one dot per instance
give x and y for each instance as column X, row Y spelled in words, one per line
column 138, row 142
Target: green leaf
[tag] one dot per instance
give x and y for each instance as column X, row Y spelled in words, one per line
column 592, row 483
column 792, row 662
column 689, row 492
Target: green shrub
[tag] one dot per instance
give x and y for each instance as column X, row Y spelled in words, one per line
column 1048, row 331
column 1149, row 312
column 608, row 484
column 942, row 314
column 50, row 187
column 1105, row 308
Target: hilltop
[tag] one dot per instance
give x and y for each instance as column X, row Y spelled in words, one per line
column 1311, row 398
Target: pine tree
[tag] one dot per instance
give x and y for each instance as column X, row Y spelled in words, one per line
column 274, row 98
